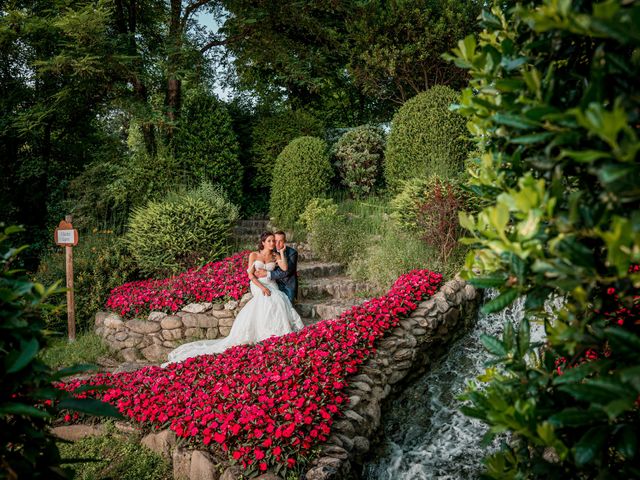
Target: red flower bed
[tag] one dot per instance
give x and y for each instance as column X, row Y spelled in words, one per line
column 224, row 279
column 265, row 405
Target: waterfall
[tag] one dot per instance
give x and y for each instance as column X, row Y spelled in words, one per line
column 423, row 434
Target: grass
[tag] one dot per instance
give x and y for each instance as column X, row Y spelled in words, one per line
column 113, row 456
column 87, row 348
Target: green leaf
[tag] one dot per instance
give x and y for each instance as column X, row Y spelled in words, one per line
column 622, row 339
column 22, row 409
column 599, row 392
column 626, row 442
column 501, row 301
column 575, row 417
column 493, row 345
column 90, row 406
column 516, row 121
column 533, row 138
column 584, row 156
column 28, row 351
column 523, row 337
column 489, row 281
column 590, row 445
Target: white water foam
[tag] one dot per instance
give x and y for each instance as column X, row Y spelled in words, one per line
column 424, row 435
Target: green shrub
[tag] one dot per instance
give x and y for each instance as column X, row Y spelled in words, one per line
column 114, row 456
column 332, row 235
column 272, row 134
column 27, row 448
column 186, row 229
column 206, row 145
column 554, row 96
column 101, row 262
column 302, row 172
column 426, row 139
column 358, row 155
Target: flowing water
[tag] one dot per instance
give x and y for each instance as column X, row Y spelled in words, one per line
column 424, row 435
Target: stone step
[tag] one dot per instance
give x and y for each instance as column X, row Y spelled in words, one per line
column 316, row 269
column 326, row 309
column 335, row 287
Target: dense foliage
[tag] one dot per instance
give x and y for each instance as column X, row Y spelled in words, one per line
column 224, row 279
column 271, row 134
column 554, row 97
column 206, row 145
column 426, row 138
column 27, row 400
column 302, row 172
column 265, row 405
column 101, row 262
column 358, row 154
column 186, row 229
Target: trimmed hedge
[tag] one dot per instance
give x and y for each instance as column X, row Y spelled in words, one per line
column 302, row 172
column 182, row 231
column 359, row 154
column 272, row 134
column 426, row 138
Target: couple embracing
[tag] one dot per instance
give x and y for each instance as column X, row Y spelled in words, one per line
column 274, row 284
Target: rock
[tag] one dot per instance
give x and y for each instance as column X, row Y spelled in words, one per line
column 220, row 314
column 174, row 334
column 361, row 444
column 170, row 322
column 347, row 443
column 100, row 318
column 212, row 333
column 470, row 292
column 160, row 442
column 156, row 339
column 418, row 331
column 194, row 333
column 126, row 428
column 373, row 412
column 200, row 320
column 196, row 307
column 232, row 473
column 403, row 354
column 397, row 376
column 156, row 316
column 330, row 462
column 354, row 416
column 202, row 467
column 441, row 303
column 121, row 336
column 231, row 305
column 155, row 353
column 419, row 312
column 354, row 400
column 170, row 344
column 130, row 354
column 335, row 452
column 361, row 386
column 245, row 299
column 142, row 326
column 226, row 322
column 181, row 463
column 73, row 433
column 362, row 378
column 429, row 323
column 449, row 291
column 114, row 321
column 132, row 341
column 345, row 427
column 322, row 472
column 224, row 331
column 451, row 317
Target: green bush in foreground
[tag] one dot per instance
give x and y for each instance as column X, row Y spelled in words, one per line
column 555, row 98
column 426, row 139
column 302, row 172
column 27, row 448
column 101, row 262
column 182, row 231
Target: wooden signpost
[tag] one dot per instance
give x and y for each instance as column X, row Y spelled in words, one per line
column 67, row 236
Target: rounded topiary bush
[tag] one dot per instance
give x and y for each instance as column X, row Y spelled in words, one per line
column 182, row 231
column 206, row 145
column 302, row 172
column 426, row 138
column 271, row 134
column 358, row 155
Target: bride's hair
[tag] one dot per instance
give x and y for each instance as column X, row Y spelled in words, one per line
column 263, row 237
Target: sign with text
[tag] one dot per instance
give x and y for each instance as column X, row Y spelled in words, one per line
column 66, row 235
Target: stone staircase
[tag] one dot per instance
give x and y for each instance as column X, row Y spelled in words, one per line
column 324, row 291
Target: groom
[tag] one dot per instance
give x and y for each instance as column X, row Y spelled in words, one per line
column 287, row 281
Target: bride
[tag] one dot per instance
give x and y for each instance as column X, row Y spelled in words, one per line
column 268, row 313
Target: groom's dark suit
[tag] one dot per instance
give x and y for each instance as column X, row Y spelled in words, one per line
column 288, row 281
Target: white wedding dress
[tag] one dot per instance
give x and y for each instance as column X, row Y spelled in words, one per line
column 262, row 317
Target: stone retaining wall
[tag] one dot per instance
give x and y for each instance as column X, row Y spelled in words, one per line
column 153, row 338
column 402, row 355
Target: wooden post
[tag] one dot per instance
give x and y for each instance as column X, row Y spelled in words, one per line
column 71, row 307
